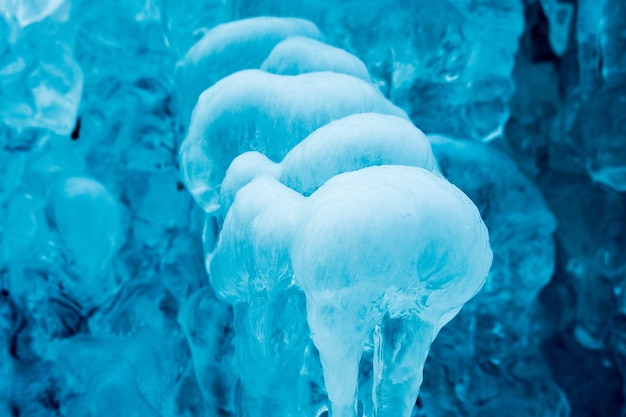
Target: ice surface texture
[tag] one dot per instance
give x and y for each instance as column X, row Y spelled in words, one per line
column 105, row 302
column 41, row 81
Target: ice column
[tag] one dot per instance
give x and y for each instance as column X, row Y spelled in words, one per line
column 339, row 233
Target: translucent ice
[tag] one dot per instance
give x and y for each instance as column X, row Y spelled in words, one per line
column 599, row 127
column 231, row 47
column 40, row 90
column 593, row 252
column 369, row 248
column 255, row 110
column 121, row 380
column 297, row 55
column 27, row 12
column 251, row 270
column 187, row 21
column 513, row 208
column 432, row 58
column 498, row 324
column 560, row 16
column 207, row 324
column 87, row 220
column 350, row 143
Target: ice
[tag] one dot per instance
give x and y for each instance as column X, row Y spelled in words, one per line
column 354, row 254
column 187, row 21
column 123, row 317
column 593, row 252
column 512, row 206
column 560, row 16
column 598, row 128
column 362, row 264
column 128, row 387
column 27, row 12
column 96, row 229
column 40, row 90
column 343, row 145
column 40, row 81
column 251, row 270
column 601, row 141
column 207, row 323
column 298, row 55
column 231, row 47
column 498, row 324
column 430, row 58
column 87, row 220
column 255, row 110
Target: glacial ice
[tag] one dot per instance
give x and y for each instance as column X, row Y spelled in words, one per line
column 120, row 317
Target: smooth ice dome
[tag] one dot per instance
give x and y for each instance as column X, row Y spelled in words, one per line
column 231, row 47
column 255, row 110
column 87, row 221
column 373, row 245
column 298, row 55
column 347, row 144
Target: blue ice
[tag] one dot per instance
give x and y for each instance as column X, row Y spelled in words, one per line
column 312, row 208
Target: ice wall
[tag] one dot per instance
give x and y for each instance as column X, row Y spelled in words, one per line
column 106, row 305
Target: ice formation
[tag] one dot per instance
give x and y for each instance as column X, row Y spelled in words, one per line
column 256, row 110
column 387, row 255
column 393, row 248
column 498, row 324
column 430, row 58
column 41, row 80
column 261, row 251
column 231, row 47
column 599, row 126
column 343, row 145
column 106, row 305
column 298, row 55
